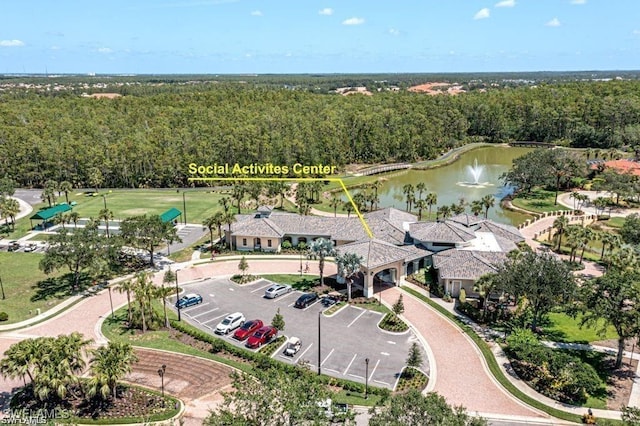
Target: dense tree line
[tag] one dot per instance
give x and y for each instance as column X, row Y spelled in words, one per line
column 148, row 140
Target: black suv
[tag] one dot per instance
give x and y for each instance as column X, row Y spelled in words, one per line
column 305, row 300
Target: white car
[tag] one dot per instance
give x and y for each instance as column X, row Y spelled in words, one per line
column 230, row 323
column 277, row 290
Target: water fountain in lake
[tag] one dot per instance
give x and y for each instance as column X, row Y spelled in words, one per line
column 476, row 172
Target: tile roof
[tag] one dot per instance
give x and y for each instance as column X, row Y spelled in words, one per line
column 505, row 231
column 465, row 264
column 441, row 232
column 467, row 219
column 257, row 227
column 377, row 253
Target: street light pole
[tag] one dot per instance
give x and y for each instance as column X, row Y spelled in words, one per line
column 161, row 371
column 110, row 301
column 177, row 297
column 184, row 207
column 366, row 378
column 2, row 287
column 319, row 345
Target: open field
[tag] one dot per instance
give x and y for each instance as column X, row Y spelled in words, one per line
column 26, row 287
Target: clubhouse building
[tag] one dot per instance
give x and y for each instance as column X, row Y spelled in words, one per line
column 461, row 249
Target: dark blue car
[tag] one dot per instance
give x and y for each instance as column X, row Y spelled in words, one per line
column 188, row 300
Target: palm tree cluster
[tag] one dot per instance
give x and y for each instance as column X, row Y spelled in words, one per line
column 53, row 364
column 418, row 202
column 141, row 314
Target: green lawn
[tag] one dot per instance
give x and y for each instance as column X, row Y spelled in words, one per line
column 614, row 222
column 298, row 282
column 126, row 203
column 27, row 288
column 538, row 201
column 563, row 328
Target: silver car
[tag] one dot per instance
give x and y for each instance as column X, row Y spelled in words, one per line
column 230, row 323
column 277, row 290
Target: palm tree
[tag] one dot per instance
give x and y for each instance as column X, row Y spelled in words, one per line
column 228, row 218
column 431, row 199
column 74, row 217
column 588, row 235
column 110, row 364
column 421, row 187
column 359, row 200
column 574, row 239
column 376, row 185
column 335, row 202
column 144, row 291
column 66, row 187
column 237, row 192
column 443, row 212
column 477, row 207
column 610, row 241
column 212, row 222
column 10, row 209
column 488, row 201
column 225, row 202
column 407, row 190
column 168, row 278
column 484, row 285
column 348, row 207
column 127, row 287
column 18, row 360
column 560, row 223
column 106, row 215
column 48, row 195
column 420, row 205
column 349, row 264
column 321, row 249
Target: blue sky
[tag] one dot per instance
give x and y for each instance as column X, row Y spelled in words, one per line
column 309, row 36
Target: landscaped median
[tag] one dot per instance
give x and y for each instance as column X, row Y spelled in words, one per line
column 495, row 369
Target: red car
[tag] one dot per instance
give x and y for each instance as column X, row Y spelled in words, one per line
column 262, row 336
column 247, row 329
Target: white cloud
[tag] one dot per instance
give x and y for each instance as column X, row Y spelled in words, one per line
column 256, row 13
column 353, row 21
column 553, row 23
column 635, row 32
column 55, row 47
column 482, row 14
column 105, row 50
column 326, row 11
column 578, row 1
column 394, row 31
column 11, row 43
column 506, row 3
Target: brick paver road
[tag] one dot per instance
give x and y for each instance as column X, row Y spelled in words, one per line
column 461, row 376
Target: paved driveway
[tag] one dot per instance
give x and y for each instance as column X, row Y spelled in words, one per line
column 348, row 337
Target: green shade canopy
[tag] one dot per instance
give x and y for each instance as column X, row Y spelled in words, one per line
column 47, row 214
column 170, row 215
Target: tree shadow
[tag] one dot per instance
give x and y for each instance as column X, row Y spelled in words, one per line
column 59, row 287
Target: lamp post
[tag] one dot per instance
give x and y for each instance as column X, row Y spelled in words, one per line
column 177, row 297
column 2, row 287
column 161, row 371
column 110, row 300
column 184, row 207
column 319, row 345
column 366, row 378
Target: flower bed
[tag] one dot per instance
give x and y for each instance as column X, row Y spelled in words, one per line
column 243, row 279
column 272, row 346
column 412, row 378
column 392, row 323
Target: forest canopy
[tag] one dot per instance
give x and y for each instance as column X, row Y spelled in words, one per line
column 148, row 140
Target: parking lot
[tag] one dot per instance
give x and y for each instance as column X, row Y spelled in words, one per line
column 26, row 247
column 348, row 337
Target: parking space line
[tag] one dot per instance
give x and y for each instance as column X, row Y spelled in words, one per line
column 204, row 313
column 333, row 371
column 191, row 308
column 305, row 351
column 213, row 319
column 356, row 376
column 349, row 366
column 285, row 295
column 382, row 383
column 311, row 305
column 374, row 370
column 325, row 360
column 261, row 288
column 356, row 318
